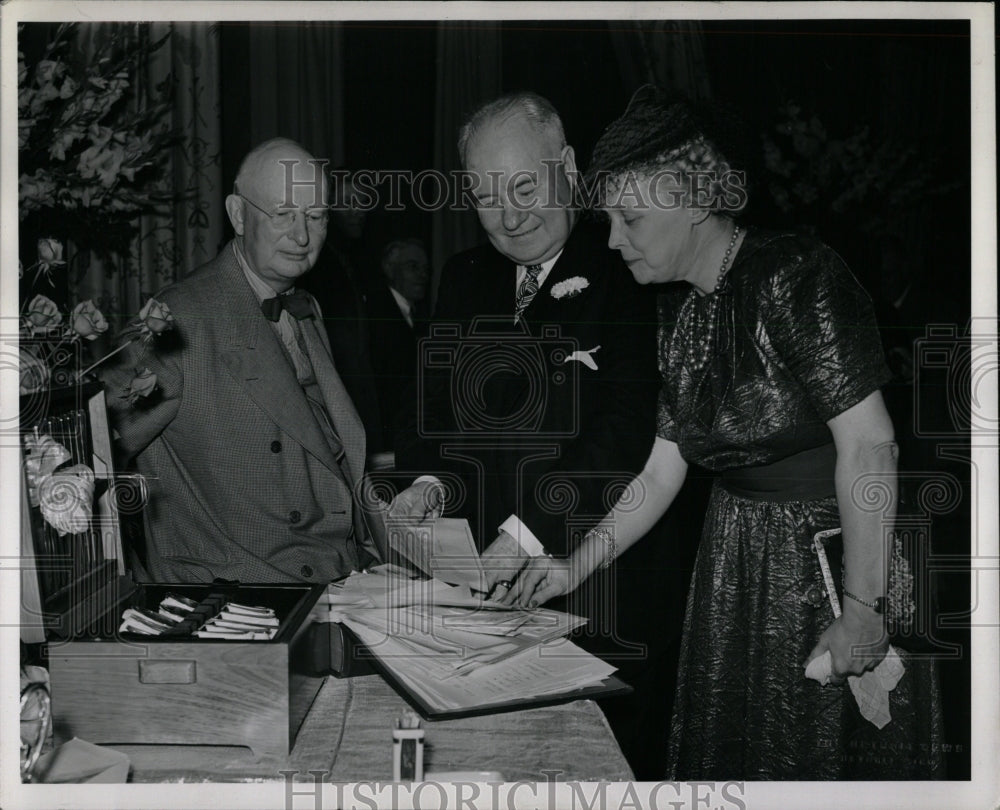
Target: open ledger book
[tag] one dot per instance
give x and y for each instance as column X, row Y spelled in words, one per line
column 451, row 652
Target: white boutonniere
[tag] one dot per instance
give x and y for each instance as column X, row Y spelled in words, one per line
column 570, row 287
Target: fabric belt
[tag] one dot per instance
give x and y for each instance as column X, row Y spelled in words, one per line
column 805, row 476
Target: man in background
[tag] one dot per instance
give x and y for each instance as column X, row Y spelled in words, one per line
column 397, row 319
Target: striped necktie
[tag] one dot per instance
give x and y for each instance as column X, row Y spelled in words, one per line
column 526, row 290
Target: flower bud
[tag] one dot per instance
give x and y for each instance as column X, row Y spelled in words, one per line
column 87, row 320
column 43, row 313
column 142, row 385
column 155, row 317
column 50, row 252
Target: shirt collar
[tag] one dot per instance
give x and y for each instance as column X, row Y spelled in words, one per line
column 261, row 288
column 402, row 302
column 547, row 265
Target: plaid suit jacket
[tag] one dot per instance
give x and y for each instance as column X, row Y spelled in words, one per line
column 242, row 483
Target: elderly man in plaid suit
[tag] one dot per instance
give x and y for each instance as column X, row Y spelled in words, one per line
column 252, row 447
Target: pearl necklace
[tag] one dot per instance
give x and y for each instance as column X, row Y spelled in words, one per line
column 697, row 351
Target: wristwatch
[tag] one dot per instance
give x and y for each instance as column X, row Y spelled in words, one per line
column 879, row 605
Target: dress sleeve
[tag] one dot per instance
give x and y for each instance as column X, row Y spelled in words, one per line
column 822, row 324
column 665, row 426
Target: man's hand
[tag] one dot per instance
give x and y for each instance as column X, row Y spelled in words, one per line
column 502, row 560
column 421, row 501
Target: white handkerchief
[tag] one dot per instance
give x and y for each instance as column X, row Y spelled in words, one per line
column 871, row 690
column 585, row 357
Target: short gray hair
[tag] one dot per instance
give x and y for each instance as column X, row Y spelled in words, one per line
column 533, row 108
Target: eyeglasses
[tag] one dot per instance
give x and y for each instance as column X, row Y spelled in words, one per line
column 317, row 219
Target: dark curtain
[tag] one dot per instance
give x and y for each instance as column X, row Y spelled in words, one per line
column 282, row 80
column 468, row 68
column 670, row 53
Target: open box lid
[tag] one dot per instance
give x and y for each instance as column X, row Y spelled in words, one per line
column 69, row 582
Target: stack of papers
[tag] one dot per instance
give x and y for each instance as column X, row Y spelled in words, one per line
column 234, row 621
column 241, row 622
column 454, row 650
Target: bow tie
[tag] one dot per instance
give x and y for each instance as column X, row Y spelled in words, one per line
column 297, row 303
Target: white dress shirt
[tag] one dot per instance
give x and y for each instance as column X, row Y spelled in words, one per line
column 522, row 270
column 405, row 307
column 284, row 326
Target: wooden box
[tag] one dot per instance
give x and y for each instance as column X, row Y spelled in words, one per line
column 131, row 688
column 109, row 687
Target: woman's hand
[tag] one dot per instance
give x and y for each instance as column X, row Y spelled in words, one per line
column 857, row 642
column 543, row 578
column 866, row 453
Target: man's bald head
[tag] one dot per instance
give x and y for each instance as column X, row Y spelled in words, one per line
column 280, row 159
column 278, row 210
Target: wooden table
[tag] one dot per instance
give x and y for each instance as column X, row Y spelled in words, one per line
column 347, row 735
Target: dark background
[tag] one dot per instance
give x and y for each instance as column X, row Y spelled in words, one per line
column 905, row 80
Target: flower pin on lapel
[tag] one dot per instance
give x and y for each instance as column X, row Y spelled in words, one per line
column 569, row 287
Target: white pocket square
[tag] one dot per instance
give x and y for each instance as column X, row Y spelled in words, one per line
column 585, row 357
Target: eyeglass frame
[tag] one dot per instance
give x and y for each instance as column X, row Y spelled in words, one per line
column 322, row 224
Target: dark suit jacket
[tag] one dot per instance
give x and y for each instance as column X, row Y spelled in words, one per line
column 394, row 355
column 243, row 485
column 525, row 431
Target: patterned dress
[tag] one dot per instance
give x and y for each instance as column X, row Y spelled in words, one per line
column 791, row 343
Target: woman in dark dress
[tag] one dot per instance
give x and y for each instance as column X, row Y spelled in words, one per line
column 771, row 365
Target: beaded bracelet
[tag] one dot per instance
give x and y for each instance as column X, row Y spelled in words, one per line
column 608, row 537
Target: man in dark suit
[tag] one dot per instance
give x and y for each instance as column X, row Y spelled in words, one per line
column 251, row 445
column 397, row 320
column 537, row 396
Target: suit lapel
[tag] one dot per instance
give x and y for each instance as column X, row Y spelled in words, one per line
column 368, row 522
column 338, row 402
column 571, row 262
column 258, row 363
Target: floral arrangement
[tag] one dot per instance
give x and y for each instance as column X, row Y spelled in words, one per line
column 154, row 319
column 47, row 337
column 65, row 495
column 88, row 154
column 812, row 174
column 569, row 287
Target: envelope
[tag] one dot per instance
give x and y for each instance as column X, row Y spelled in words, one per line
column 442, row 548
column 84, row 762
